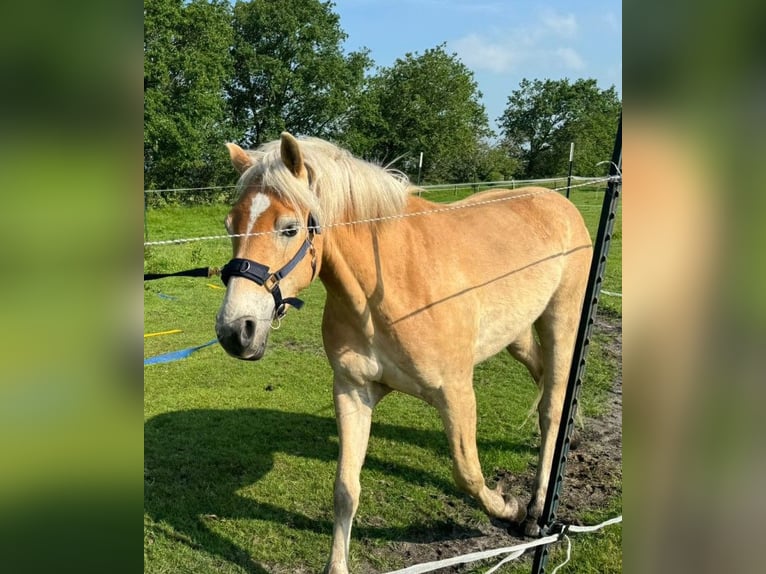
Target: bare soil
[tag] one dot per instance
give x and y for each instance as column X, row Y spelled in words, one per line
column 593, row 478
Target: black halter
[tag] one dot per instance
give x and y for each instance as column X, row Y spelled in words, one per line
column 260, row 275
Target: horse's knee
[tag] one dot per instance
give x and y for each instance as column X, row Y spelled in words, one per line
column 346, row 496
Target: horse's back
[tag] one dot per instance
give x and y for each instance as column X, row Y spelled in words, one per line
column 502, row 227
column 531, row 202
column 474, row 278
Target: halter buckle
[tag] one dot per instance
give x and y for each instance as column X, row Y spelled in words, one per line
column 270, row 283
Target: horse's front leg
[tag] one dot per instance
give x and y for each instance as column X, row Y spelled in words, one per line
column 353, row 411
column 457, row 407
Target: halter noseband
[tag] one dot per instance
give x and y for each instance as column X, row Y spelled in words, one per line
column 259, row 274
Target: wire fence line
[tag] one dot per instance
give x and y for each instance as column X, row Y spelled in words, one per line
column 189, row 189
column 507, row 183
column 446, row 208
column 513, row 183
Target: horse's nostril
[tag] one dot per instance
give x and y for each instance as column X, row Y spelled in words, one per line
column 248, row 330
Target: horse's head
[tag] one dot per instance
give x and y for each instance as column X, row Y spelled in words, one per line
column 276, row 247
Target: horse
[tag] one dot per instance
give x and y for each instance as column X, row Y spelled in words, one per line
column 418, row 293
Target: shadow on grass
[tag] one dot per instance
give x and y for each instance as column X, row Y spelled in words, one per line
column 196, row 461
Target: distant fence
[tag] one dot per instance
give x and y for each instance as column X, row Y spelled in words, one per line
column 480, row 185
column 558, row 182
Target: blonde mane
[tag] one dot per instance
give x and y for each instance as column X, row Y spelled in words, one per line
column 342, row 187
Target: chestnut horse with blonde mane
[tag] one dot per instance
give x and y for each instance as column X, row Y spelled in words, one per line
column 417, row 294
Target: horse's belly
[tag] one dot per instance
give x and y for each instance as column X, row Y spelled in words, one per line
column 500, row 325
column 403, row 378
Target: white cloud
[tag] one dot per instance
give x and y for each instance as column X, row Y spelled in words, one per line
column 570, row 58
column 500, row 55
column 473, row 7
column 483, row 54
column 562, row 25
column 545, row 47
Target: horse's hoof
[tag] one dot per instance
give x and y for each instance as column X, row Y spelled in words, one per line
column 531, row 528
column 336, row 568
column 514, row 510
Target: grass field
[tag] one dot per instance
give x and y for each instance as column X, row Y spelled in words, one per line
column 240, row 457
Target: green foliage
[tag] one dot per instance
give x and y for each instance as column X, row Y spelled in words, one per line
column 492, row 163
column 542, row 118
column 186, row 66
column 214, row 72
column 290, row 72
column 426, row 103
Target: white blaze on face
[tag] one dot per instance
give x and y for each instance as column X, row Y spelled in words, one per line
column 242, row 299
column 258, row 205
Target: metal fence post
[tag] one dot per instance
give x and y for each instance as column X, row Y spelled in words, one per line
column 569, row 177
column 577, row 370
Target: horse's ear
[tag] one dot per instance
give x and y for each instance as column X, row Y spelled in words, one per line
column 291, row 155
column 239, row 158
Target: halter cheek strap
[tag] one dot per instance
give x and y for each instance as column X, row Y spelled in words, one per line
column 259, row 273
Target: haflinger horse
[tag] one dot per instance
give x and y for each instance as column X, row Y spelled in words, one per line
column 417, row 294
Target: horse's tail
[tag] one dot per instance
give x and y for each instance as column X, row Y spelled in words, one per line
column 533, row 409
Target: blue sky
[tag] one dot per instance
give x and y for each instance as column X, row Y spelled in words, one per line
column 500, row 41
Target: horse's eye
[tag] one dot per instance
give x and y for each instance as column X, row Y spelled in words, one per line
column 289, row 232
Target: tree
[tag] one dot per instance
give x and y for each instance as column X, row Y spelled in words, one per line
column 424, row 103
column 290, row 72
column 186, row 67
column 542, row 118
column 494, row 164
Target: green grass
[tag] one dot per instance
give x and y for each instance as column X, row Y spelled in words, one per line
column 240, row 457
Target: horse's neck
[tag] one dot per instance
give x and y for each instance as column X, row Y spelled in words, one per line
column 349, row 270
column 351, row 260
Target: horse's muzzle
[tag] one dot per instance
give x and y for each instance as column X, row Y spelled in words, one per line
column 238, row 338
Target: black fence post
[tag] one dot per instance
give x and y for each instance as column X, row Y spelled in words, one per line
column 577, row 370
column 569, row 177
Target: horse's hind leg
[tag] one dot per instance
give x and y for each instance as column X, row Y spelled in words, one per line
column 557, row 328
column 353, row 410
column 457, row 407
column 527, row 351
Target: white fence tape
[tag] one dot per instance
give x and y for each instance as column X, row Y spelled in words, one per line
column 568, row 558
column 513, row 552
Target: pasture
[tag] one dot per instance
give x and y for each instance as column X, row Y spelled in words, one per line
column 240, row 457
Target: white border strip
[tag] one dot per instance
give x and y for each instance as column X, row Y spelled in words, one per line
column 513, row 551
